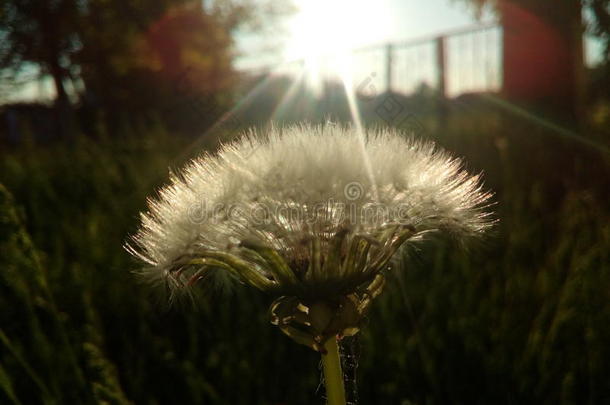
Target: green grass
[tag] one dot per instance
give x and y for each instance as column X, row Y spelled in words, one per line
column 522, row 318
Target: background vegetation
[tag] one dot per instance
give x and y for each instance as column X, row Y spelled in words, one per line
column 523, row 318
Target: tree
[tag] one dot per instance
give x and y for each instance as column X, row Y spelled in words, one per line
column 41, row 33
column 134, row 54
column 132, row 57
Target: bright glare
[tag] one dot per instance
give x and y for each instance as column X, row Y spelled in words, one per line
column 322, row 27
column 323, row 33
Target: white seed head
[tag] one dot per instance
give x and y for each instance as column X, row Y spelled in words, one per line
column 329, row 203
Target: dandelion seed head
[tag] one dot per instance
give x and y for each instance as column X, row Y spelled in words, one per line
column 313, row 212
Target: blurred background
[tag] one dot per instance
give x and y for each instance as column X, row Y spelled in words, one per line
column 99, row 99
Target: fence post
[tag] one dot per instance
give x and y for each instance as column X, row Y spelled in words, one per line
column 441, row 63
column 388, row 67
column 441, row 60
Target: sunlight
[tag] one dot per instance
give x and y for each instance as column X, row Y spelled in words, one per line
column 323, row 34
column 323, row 28
column 348, row 84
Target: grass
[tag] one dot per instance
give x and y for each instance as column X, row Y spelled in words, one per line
column 524, row 318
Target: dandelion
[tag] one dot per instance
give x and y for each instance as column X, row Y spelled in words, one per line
column 313, row 216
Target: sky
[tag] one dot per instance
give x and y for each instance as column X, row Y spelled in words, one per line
column 333, row 27
column 361, row 23
column 315, row 28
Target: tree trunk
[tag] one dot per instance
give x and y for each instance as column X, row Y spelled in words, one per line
column 61, row 98
column 63, row 110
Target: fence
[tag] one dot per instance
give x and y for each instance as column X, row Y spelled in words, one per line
column 462, row 61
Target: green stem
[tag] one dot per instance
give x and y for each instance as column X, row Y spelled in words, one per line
column 333, row 376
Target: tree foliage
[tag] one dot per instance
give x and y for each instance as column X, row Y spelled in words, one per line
column 42, row 33
column 129, row 57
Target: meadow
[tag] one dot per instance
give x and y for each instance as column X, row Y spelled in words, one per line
column 522, row 317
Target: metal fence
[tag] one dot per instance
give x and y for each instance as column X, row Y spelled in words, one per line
column 462, row 61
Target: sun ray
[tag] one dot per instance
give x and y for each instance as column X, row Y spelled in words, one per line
column 284, row 103
column 348, row 85
column 230, row 119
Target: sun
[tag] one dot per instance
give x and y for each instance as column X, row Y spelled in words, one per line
column 321, row 27
column 324, row 33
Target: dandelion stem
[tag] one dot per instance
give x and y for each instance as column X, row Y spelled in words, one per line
column 333, row 376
